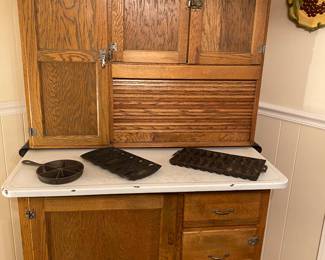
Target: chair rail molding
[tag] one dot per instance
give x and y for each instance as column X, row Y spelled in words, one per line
column 11, row 108
column 292, row 115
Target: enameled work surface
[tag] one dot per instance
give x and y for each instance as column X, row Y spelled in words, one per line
column 23, row 181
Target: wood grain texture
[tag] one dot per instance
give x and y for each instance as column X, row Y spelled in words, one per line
column 68, row 24
column 141, row 227
column 151, row 25
column 69, row 99
column 232, row 242
column 205, row 72
column 228, row 32
column 69, row 56
column 121, row 235
column 150, row 31
column 227, row 26
column 199, row 208
column 156, row 111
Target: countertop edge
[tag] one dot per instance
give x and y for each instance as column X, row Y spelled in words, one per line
column 138, row 189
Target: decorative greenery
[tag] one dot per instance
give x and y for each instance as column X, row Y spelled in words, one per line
column 308, row 14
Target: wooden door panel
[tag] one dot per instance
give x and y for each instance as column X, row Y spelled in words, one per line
column 114, row 235
column 66, row 86
column 230, row 244
column 69, row 111
column 150, row 30
column 119, row 227
column 183, row 112
column 69, row 25
column 228, row 32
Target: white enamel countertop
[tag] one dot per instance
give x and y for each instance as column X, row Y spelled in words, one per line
column 23, row 181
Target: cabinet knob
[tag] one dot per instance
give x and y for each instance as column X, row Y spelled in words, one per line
column 218, row 258
column 223, row 212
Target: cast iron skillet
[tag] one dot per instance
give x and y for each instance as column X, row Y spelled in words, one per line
column 57, row 172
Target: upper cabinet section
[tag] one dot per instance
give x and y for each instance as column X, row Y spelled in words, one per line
column 153, row 31
column 189, row 31
column 227, row 31
column 67, row 86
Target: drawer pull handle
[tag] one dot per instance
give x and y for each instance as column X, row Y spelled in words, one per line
column 218, row 258
column 223, row 212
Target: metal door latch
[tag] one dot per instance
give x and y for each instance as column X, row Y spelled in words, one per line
column 106, row 56
column 195, row 4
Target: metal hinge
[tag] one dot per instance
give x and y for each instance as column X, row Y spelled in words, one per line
column 106, row 55
column 261, row 49
column 30, row 214
column 32, row 131
column 253, row 241
column 111, row 48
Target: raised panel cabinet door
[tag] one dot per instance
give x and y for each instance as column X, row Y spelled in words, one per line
column 66, row 85
column 153, row 31
column 228, row 32
column 123, row 227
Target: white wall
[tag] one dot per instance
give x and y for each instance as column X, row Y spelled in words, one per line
column 11, row 124
column 293, row 89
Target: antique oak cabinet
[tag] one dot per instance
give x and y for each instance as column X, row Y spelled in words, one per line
column 142, row 73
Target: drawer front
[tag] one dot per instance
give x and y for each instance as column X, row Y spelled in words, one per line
column 222, row 208
column 223, row 244
column 183, row 112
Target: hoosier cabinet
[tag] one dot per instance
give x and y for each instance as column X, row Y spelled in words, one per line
column 147, row 75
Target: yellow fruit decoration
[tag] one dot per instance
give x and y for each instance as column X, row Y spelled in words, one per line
column 309, row 14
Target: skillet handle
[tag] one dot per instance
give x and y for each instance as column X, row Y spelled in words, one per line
column 28, row 162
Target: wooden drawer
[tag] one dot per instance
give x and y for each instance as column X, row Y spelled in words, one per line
column 222, row 208
column 223, row 244
column 183, row 112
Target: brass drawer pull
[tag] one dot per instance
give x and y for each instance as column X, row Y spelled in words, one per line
column 223, row 212
column 218, row 258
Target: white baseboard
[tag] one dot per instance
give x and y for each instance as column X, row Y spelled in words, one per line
column 11, row 108
column 292, row 115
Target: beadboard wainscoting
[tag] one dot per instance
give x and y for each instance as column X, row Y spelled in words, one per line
column 12, row 137
column 295, row 142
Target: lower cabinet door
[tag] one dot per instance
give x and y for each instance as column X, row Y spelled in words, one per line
column 221, row 244
column 137, row 227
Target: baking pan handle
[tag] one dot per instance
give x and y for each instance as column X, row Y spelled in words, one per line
column 28, row 162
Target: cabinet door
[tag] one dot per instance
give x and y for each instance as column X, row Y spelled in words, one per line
column 150, row 30
column 66, row 87
column 228, row 32
column 137, row 227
